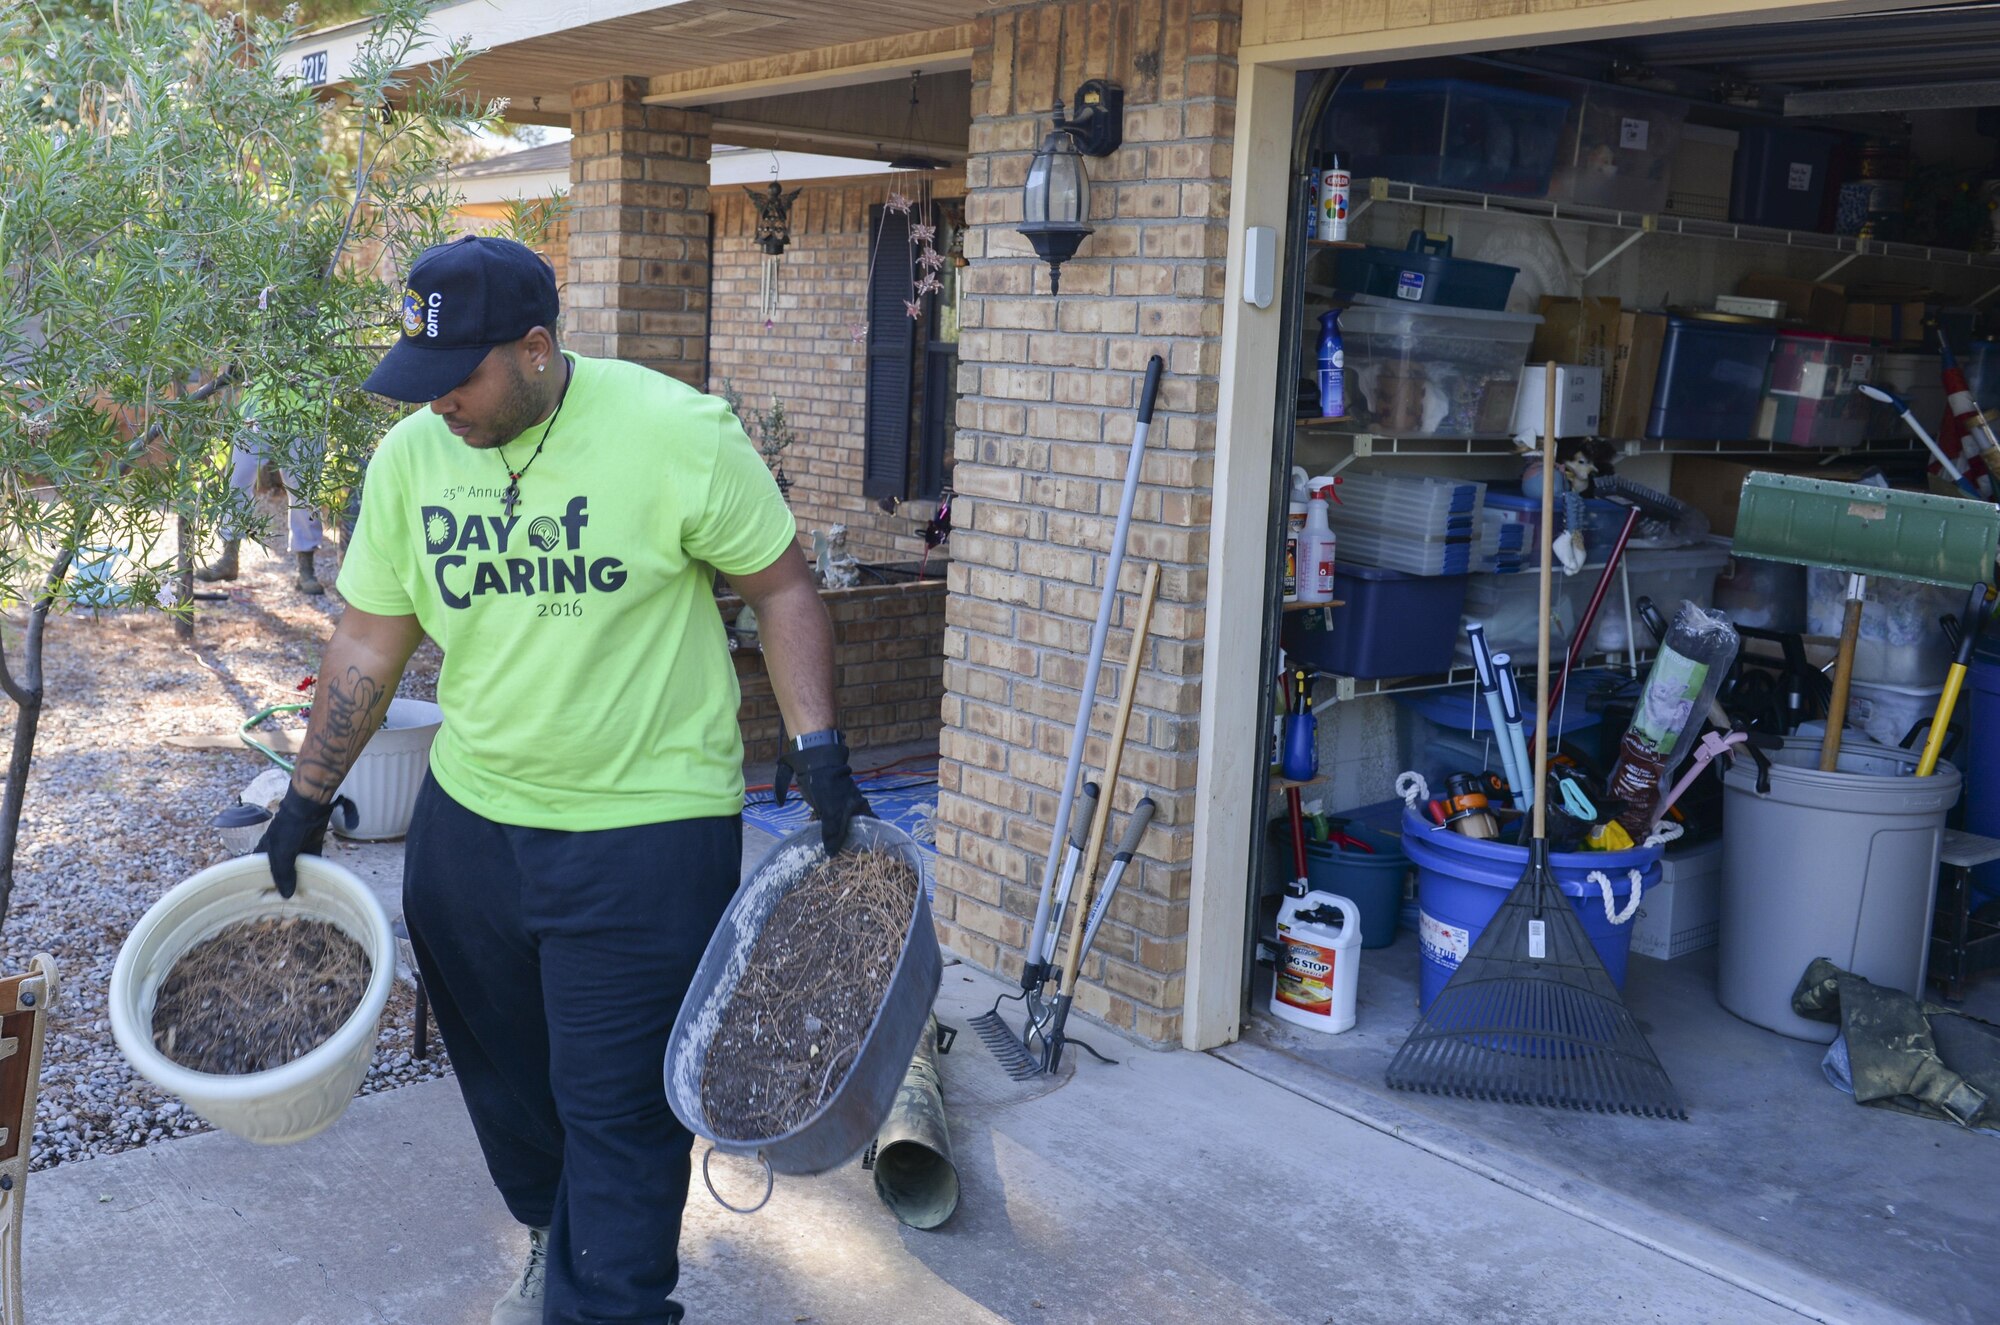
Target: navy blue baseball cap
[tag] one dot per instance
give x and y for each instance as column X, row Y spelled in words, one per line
column 463, row 299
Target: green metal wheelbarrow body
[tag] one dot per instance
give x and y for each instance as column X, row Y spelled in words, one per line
column 1866, row 530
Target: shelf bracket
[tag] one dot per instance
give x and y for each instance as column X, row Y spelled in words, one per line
column 1827, row 275
column 1614, row 254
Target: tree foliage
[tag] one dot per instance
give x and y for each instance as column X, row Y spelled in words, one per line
column 189, row 237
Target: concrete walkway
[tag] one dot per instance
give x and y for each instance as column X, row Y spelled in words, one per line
column 1170, row 1188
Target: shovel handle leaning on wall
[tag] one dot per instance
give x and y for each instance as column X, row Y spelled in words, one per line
column 1970, row 625
column 1128, row 846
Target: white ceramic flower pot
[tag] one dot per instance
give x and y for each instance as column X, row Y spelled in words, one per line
column 302, row 1097
column 386, row 774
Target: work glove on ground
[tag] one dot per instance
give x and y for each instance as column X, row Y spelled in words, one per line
column 828, row 785
column 299, row 828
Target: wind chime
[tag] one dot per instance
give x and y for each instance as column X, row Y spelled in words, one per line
column 909, row 196
column 774, row 233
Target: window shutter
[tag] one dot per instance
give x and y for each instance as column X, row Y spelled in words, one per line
column 892, row 340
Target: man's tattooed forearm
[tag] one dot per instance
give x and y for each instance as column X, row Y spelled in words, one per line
column 346, row 711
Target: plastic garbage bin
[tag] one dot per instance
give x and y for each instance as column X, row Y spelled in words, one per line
column 1840, row 865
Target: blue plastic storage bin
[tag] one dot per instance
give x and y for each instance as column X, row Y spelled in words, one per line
column 1391, row 624
column 1449, row 132
column 1781, row 177
column 1711, row 381
column 1462, row 881
column 1424, row 271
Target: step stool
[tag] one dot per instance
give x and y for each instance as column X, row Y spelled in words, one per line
column 1961, row 947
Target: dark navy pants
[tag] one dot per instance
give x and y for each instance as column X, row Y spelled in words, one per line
column 555, row 963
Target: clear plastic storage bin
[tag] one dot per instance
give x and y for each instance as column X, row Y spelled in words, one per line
column 1618, row 150
column 1809, row 397
column 1448, row 132
column 1901, row 642
column 1667, row 576
column 1888, row 713
column 1417, row 370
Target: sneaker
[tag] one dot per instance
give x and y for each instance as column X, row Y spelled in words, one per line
column 522, row 1304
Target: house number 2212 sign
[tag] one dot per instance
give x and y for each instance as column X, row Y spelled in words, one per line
column 312, row 68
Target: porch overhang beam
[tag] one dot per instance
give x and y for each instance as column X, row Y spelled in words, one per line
column 882, row 59
column 830, row 142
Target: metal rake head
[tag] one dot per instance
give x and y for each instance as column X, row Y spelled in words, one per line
column 1531, row 1017
column 1009, row 1049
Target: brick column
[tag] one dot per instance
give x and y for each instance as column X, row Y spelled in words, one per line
column 638, row 230
column 1048, row 389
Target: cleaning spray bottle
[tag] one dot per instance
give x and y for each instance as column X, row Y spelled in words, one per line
column 1295, row 524
column 1319, row 962
column 1332, row 362
column 1316, row 543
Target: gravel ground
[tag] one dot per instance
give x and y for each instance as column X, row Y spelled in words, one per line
column 114, row 818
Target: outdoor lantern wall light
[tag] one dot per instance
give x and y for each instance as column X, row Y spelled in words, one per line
column 1055, row 207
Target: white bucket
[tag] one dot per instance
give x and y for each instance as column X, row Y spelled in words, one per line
column 300, row 1098
column 387, row 774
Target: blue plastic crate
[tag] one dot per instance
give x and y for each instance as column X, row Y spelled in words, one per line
column 1711, row 381
column 1424, row 271
column 1781, row 177
column 1391, row 624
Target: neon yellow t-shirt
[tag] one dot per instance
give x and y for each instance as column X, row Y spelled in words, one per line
column 587, row 681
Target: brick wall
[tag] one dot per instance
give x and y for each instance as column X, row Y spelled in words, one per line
column 1048, row 389
column 638, row 229
column 808, row 357
column 888, row 673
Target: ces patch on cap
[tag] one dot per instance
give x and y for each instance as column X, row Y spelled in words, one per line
column 413, row 313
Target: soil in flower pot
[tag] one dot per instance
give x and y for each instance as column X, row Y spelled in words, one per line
column 816, row 975
column 259, row 994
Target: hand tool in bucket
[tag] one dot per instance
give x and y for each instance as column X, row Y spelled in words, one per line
column 1034, row 971
column 1530, row 1017
column 1971, row 623
column 1864, row 530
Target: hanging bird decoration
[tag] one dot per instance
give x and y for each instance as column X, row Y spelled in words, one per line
column 774, row 233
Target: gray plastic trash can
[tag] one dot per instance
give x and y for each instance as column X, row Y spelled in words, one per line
column 1837, row 865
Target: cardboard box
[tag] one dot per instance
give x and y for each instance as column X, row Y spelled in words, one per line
column 1634, row 372
column 1816, row 304
column 1578, row 331
column 1895, row 322
column 1714, row 486
column 1579, row 402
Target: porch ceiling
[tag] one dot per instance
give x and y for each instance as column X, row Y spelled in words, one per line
column 532, row 52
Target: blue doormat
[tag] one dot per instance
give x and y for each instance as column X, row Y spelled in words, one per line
column 906, row 798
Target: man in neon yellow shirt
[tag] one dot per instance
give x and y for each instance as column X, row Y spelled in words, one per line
column 554, row 522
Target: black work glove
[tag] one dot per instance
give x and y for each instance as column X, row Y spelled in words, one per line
column 299, row 828
column 828, row 785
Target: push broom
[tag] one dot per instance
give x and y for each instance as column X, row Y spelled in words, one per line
column 1530, row 1016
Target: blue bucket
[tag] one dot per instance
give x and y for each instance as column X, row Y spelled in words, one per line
column 1373, row 882
column 1461, row 882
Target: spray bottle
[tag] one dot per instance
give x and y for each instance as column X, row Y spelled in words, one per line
column 1332, row 361
column 1316, row 543
column 1295, row 524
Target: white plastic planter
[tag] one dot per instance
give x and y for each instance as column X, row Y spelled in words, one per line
column 303, row 1097
column 384, row 780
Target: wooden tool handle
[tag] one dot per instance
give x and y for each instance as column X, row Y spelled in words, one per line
column 1086, row 870
column 1547, row 592
column 1843, row 676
